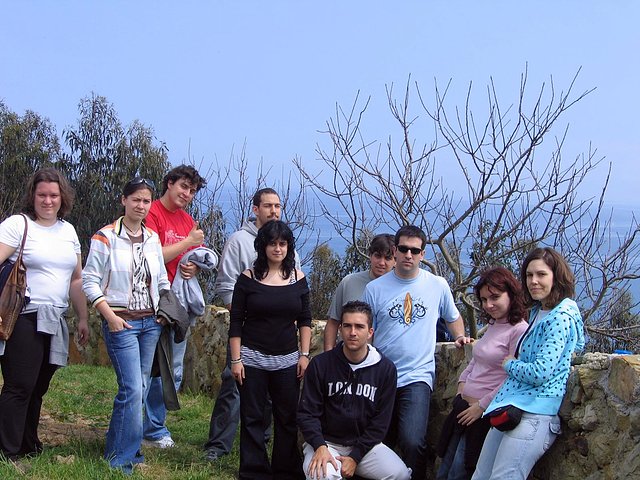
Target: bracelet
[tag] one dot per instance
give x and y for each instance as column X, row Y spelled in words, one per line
column 235, row 362
column 458, row 337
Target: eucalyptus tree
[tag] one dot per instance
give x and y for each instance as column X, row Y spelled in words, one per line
column 103, row 156
column 27, row 143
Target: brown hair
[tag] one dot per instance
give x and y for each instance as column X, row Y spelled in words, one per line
column 48, row 174
column 382, row 244
column 502, row 280
column 187, row 172
column 357, row 306
column 563, row 279
column 257, row 197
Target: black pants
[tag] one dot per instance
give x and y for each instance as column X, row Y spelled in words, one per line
column 283, row 387
column 26, row 372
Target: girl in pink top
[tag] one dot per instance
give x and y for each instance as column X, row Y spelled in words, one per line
column 501, row 298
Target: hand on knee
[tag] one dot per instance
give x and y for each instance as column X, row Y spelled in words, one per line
column 332, row 474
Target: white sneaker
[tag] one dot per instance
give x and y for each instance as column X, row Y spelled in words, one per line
column 164, row 442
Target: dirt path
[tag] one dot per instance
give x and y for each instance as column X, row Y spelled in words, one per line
column 54, row 433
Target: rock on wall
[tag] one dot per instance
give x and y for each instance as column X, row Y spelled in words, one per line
column 601, row 421
column 94, row 352
column 206, row 354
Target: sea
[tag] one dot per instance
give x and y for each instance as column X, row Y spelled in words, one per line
column 622, row 217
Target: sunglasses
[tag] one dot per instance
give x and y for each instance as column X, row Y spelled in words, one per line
column 405, row 249
column 147, row 182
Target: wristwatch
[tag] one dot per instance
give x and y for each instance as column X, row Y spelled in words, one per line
column 305, row 354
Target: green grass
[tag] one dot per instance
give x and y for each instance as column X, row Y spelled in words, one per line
column 79, row 404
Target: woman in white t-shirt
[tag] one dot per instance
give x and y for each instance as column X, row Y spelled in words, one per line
column 52, row 258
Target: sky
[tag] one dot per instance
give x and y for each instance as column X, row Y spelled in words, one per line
column 212, row 76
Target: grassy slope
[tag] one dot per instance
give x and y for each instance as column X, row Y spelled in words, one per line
column 81, row 398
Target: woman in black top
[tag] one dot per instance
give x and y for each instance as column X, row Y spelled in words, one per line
column 269, row 302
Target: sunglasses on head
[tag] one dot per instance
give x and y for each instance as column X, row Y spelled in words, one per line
column 405, row 249
column 147, row 182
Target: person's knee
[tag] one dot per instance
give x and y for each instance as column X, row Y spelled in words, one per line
column 20, row 387
column 412, row 436
column 130, row 392
column 400, row 473
column 332, row 474
column 385, row 464
column 134, row 397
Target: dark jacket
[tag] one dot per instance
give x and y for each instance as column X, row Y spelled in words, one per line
column 170, row 308
column 177, row 319
column 347, row 405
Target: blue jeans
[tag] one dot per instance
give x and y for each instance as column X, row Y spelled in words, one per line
column 131, row 352
column 155, row 413
column 409, row 426
column 452, row 466
column 511, row 455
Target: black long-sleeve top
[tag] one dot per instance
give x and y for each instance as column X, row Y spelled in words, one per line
column 345, row 405
column 266, row 316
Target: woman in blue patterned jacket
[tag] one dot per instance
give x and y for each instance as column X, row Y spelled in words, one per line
column 537, row 375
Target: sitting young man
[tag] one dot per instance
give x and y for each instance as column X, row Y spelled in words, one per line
column 346, row 406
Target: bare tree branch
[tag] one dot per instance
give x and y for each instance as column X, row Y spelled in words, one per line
column 512, row 188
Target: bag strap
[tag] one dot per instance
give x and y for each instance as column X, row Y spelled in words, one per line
column 24, row 238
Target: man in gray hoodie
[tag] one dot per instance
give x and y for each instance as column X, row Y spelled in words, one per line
column 237, row 256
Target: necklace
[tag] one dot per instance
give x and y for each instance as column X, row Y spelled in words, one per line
column 274, row 278
column 275, row 274
column 135, row 234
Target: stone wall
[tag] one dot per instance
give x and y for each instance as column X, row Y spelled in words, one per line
column 600, row 416
column 95, row 352
column 600, row 413
column 207, row 352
